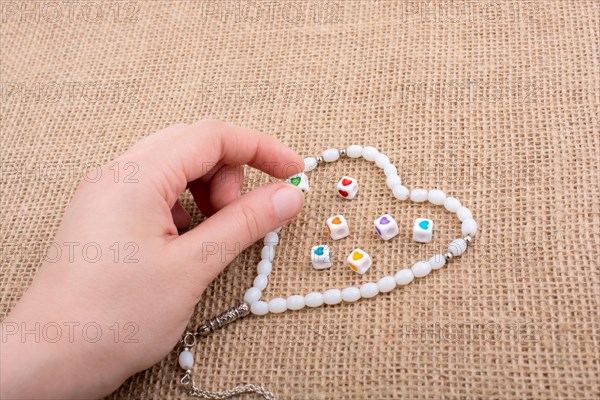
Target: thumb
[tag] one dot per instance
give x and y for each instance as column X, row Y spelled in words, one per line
column 213, row 244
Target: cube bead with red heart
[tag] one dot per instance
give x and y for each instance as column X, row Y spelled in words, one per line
column 347, row 187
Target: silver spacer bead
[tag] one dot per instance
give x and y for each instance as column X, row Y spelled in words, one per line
column 227, row 317
column 448, row 256
column 319, row 159
column 468, row 239
column 342, row 152
column 186, row 349
column 188, row 371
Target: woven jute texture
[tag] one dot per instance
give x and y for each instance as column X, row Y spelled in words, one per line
column 494, row 102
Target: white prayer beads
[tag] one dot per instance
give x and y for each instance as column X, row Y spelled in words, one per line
column 358, row 259
column 338, row 228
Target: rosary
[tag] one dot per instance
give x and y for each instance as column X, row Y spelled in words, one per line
column 358, row 260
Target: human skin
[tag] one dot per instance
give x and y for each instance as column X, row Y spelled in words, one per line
column 157, row 293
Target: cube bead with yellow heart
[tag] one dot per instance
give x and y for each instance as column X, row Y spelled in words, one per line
column 359, row 261
column 337, row 227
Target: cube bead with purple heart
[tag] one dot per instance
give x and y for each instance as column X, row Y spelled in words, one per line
column 386, row 227
column 423, row 230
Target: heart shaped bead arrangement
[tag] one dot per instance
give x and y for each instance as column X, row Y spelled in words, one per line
column 358, row 259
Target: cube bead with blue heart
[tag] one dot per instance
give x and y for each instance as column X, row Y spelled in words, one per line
column 321, row 256
column 423, row 230
column 386, row 227
column 299, row 180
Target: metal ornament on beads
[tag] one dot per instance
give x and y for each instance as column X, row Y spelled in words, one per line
column 251, row 303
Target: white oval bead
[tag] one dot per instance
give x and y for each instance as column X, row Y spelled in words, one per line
column 452, row 204
column 421, row 269
column 271, row 239
column 469, row 227
column 381, row 160
column 186, row 360
column 331, row 155
column 400, row 192
column 404, row 276
column 369, row 289
column 313, row 299
column 369, row 153
column 252, row 295
column 464, row 213
column 390, row 169
column 277, row 305
column 260, row 282
column 267, row 253
column 437, row 261
column 310, row 163
column 350, row 294
column 259, row 308
column 354, row 151
column 332, row 296
column 457, row 247
column 393, row 180
column 436, row 197
column 264, row 267
column 386, row 284
column 295, row 302
column 418, row 195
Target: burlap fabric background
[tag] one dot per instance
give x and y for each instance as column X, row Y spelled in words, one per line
column 494, row 102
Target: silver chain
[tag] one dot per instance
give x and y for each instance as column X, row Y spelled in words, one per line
column 189, row 340
column 195, row 391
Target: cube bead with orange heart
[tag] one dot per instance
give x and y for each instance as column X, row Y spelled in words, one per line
column 347, row 187
column 337, row 227
column 359, row 261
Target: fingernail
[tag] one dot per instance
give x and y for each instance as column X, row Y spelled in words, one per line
column 287, row 202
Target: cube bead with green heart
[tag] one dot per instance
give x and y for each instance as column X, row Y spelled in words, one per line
column 300, row 180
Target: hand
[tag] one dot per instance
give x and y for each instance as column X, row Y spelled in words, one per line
column 151, row 299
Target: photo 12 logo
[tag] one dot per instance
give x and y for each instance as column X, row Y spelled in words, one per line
column 55, row 12
column 290, row 12
column 71, row 331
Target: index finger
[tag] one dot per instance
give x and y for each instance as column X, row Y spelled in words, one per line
column 189, row 152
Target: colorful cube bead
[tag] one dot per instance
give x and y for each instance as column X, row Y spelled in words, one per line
column 337, row 227
column 386, row 227
column 321, row 256
column 300, row 180
column 347, row 187
column 423, row 230
column 359, row 261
